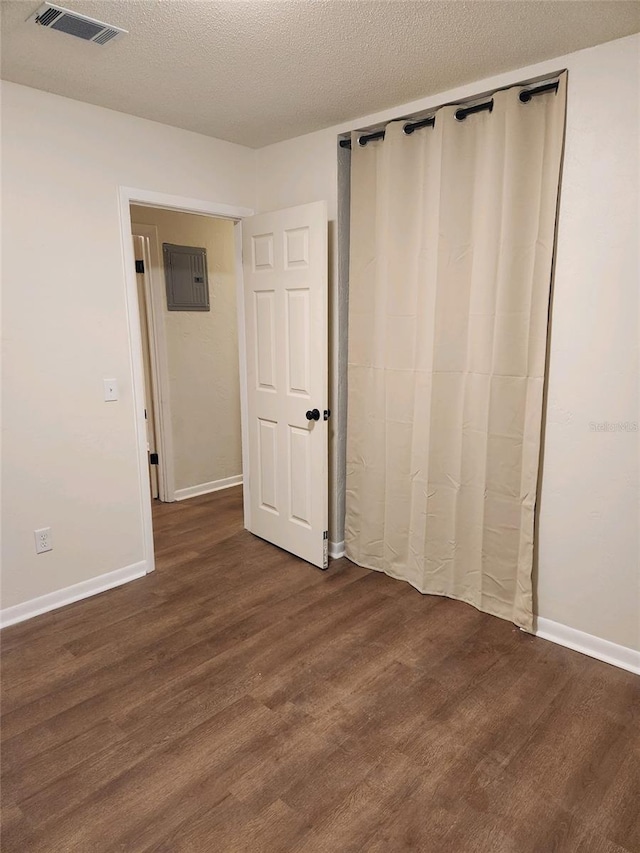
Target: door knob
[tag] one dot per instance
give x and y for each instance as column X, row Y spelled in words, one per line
column 313, row 415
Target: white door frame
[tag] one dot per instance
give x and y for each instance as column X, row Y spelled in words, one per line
column 128, row 196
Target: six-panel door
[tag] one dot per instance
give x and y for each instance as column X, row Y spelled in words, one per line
column 285, row 289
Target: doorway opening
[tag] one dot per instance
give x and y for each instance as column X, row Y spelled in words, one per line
column 187, row 305
column 280, row 260
column 128, row 197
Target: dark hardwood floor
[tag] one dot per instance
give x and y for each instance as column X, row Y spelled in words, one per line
column 240, row 700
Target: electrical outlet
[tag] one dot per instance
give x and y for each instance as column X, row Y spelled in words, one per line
column 44, row 540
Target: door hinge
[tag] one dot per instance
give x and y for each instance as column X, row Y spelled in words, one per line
column 139, row 266
column 153, row 459
column 325, row 549
column 327, row 414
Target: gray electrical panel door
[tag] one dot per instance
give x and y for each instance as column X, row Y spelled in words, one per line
column 185, row 270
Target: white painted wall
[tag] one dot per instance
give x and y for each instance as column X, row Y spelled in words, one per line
column 70, row 460
column 589, row 557
column 202, row 353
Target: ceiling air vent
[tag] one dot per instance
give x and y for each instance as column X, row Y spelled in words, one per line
column 65, row 21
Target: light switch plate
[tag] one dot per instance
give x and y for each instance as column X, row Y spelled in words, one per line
column 110, row 390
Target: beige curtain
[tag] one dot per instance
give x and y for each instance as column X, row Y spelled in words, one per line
column 452, row 235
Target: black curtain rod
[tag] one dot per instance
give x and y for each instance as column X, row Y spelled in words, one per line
column 460, row 114
column 526, row 94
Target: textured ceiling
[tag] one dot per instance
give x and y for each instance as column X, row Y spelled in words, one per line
column 258, row 72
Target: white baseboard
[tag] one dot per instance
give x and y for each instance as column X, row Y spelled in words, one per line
column 595, row 647
column 85, row 589
column 205, row 488
column 336, row 550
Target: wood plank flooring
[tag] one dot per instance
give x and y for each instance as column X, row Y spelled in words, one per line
column 240, row 700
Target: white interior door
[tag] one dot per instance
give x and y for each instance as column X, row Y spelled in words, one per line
column 285, row 293
column 139, row 253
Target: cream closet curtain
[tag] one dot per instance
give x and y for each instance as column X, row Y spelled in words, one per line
column 452, row 236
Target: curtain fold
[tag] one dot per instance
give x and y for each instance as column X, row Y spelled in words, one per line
column 452, row 236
